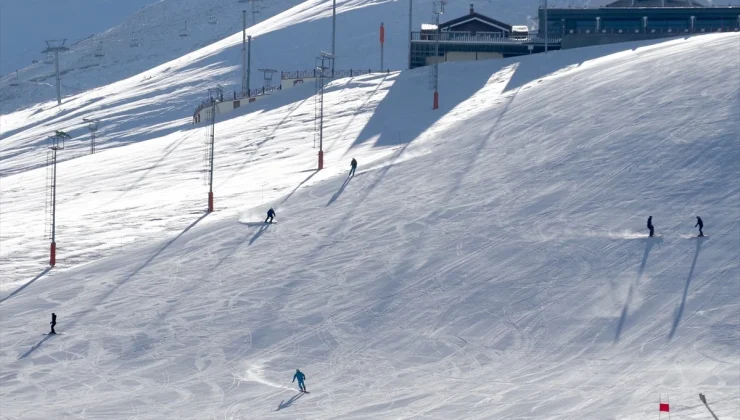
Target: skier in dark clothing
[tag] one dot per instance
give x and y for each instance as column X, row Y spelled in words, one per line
column 354, row 167
column 53, row 322
column 270, row 215
column 650, row 225
column 301, row 377
column 700, row 224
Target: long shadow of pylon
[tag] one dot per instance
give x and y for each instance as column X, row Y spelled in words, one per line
column 679, row 312
column 46, row 270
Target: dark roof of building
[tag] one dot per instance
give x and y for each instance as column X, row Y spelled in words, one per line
column 477, row 16
column 657, row 3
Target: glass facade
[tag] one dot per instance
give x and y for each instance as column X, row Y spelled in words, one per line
column 629, row 20
column 421, row 49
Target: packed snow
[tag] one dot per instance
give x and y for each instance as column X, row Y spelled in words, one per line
column 488, row 261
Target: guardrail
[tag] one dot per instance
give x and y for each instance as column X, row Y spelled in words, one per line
column 649, row 30
column 236, row 96
column 483, row 38
column 302, row 74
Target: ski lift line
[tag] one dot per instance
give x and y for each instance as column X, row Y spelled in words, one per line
column 174, row 22
column 134, row 41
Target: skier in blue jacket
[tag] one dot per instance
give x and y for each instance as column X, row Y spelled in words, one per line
column 301, row 377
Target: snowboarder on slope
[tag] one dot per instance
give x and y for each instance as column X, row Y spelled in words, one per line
column 301, row 377
column 700, row 224
column 53, row 322
column 354, row 166
column 650, row 225
column 270, row 215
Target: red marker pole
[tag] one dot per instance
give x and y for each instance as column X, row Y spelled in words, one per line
column 382, row 41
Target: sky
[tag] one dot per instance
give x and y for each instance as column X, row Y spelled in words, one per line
column 25, row 24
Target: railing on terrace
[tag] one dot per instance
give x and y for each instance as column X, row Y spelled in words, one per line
column 300, row 74
column 649, row 30
column 483, row 38
column 236, row 96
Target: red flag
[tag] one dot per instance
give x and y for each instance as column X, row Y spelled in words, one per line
column 664, row 407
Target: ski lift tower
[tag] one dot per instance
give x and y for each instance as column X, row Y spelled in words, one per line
column 56, row 46
column 324, row 64
column 92, row 125
column 256, row 6
column 267, row 77
column 214, row 94
column 55, row 143
column 246, row 56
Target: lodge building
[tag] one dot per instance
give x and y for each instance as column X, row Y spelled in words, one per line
column 477, row 37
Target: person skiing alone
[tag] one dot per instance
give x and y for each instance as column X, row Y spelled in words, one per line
column 700, row 224
column 301, row 377
column 650, row 225
column 53, row 322
column 354, row 167
column 270, row 215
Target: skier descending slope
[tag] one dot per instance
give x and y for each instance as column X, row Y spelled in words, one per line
column 301, row 377
column 53, row 323
column 270, row 215
column 650, row 225
column 353, row 164
column 700, row 224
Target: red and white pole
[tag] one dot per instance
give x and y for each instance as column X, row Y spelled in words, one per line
column 382, row 41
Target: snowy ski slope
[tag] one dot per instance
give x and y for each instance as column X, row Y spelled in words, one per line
column 134, row 106
column 488, row 261
column 288, row 36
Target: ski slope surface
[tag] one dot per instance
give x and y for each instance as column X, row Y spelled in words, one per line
column 287, row 35
column 489, row 260
column 146, row 92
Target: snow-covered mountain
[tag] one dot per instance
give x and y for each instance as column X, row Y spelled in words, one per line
column 285, row 43
column 488, row 261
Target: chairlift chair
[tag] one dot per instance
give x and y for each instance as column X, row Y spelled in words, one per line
column 99, row 52
column 212, row 20
column 184, row 31
column 49, row 59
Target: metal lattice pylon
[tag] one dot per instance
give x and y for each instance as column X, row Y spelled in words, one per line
column 210, row 118
column 56, row 143
column 49, row 195
column 323, row 64
column 214, row 96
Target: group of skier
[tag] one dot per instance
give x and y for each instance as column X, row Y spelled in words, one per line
column 271, row 213
column 300, row 376
column 699, row 224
